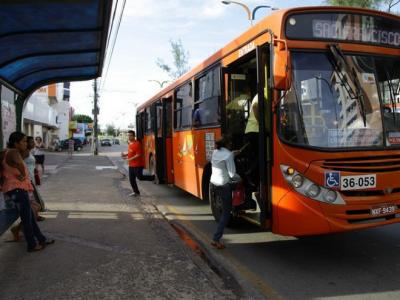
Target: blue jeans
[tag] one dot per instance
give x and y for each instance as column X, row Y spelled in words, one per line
column 29, row 226
column 225, row 193
column 137, row 172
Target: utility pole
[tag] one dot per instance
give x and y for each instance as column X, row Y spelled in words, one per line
column 95, row 125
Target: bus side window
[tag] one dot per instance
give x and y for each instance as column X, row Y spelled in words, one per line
column 183, row 107
column 206, row 110
column 148, row 121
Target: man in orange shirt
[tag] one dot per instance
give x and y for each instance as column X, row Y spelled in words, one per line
column 135, row 161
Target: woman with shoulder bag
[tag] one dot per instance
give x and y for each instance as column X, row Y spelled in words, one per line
column 222, row 176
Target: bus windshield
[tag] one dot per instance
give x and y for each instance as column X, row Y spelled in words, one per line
column 342, row 101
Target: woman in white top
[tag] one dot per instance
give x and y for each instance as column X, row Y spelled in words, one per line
column 223, row 173
column 29, row 159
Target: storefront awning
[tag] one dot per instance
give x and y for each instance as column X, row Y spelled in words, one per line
column 47, row 41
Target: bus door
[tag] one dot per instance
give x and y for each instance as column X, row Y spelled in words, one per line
column 167, row 139
column 237, row 97
column 159, row 167
column 164, row 140
column 243, row 81
column 264, row 91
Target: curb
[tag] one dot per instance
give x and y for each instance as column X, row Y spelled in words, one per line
column 216, row 261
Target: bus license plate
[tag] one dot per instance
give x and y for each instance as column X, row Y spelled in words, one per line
column 358, row 182
column 385, row 209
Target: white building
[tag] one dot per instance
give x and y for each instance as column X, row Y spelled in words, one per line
column 47, row 113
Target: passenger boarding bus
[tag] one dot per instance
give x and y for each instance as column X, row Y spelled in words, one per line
column 328, row 154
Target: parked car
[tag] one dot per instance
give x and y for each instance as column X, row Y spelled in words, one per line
column 105, row 142
column 77, row 145
column 116, row 141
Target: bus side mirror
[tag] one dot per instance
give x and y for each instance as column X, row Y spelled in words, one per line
column 281, row 65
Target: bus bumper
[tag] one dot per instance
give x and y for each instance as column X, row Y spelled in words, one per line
column 296, row 215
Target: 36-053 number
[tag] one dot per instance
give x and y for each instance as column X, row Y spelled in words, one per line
column 358, row 182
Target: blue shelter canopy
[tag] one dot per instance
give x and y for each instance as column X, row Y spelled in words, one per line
column 47, row 41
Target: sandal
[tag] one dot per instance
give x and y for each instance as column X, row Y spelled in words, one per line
column 15, row 232
column 47, row 242
column 218, row 245
column 37, row 248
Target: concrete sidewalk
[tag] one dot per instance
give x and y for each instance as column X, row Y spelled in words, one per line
column 108, row 245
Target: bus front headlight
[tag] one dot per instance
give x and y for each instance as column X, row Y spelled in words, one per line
column 306, row 187
column 297, row 181
column 313, row 190
column 330, row 196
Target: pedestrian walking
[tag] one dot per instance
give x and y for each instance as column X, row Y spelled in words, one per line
column 38, row 153
column 135, row 160
column 71, row 145
column 222, row 176
column 16, row 186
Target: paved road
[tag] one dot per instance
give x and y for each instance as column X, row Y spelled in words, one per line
column 356, row 265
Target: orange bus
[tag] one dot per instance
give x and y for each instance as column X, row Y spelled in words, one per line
column 328, row 154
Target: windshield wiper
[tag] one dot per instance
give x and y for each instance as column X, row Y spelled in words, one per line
column 356, row 92
column 301, row 113
column 391, row 94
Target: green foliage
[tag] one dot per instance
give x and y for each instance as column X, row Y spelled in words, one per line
column 180, row 60
column 82, row 119
column 110, row 130
column 356, row 3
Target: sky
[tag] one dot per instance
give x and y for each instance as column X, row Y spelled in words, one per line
column 203, row 26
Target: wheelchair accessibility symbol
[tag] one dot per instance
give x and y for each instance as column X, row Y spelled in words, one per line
column 332, row 179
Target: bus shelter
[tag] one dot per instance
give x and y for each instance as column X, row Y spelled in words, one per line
column 44, row 42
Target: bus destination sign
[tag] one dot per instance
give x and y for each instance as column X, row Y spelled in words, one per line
column 355, row 28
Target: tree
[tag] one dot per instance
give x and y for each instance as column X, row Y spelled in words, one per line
column 356, row 3
column 82, row 119
column 110, row 130
column 180, row 60
column 390, row 4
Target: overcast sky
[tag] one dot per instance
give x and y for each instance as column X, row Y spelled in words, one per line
column 204, row 26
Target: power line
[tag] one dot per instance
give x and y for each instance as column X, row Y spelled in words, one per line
column 109, row 33
column 112, row 25
column 113, row 44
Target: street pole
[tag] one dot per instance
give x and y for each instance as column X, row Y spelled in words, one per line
column 250, row 14
column 95, row 126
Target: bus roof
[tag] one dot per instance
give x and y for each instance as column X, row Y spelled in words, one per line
column 274, row 21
